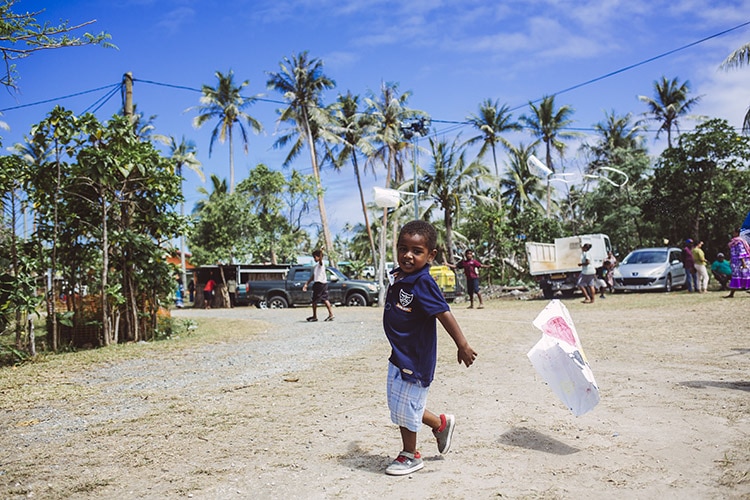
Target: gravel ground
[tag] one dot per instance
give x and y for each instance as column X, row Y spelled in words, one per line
column 297, row 410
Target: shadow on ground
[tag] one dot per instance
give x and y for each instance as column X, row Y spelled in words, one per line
column 523, row 437
column 739, row 385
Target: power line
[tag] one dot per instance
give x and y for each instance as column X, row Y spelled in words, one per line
column 632, row 66
column 456, row 124
column 60, row 98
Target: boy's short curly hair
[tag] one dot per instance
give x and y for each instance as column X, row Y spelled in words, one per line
column 422, row 228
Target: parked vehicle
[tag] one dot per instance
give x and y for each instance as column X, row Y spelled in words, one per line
column 651, row 269
column 556, row 266
column 371, row 271
column 446, row 279
column 287, row 291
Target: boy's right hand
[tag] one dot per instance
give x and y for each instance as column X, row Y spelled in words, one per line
column 466, row 355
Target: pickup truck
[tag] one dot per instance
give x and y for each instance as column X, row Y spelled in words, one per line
column 287, row 292
column 556, row 266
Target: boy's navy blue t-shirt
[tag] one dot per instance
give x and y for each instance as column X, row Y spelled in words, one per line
column 411, row 305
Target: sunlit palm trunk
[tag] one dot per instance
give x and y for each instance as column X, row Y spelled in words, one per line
column 364, row 205
column 231, row 162
column 319, row 186
column 183, row 267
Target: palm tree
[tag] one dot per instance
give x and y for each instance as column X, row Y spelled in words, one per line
column 226, row 103
column 182, row 155
column 451, row 182
column 548, row 125
column 520, row 188
column 219, row 190
column 492, row 121
column 351, row 126
column 670, row 102
column 301, row 81
column 389, row 112
column 618, row 132
column 737, row 59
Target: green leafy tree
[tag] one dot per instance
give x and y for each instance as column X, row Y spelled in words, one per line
column 452, row 183
column 264, row 188
column 491, row 122
column 699, row 188
column 612, row 209
column 548, row 124
column 519, row 188
column 352, row 126
column 182, row 155
column 669, row 104
column 226, row 104
column 301, row 82
column 738, row 59
column 22, row 34
column 389, row 112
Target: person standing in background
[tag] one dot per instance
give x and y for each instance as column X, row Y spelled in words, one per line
column 689, row 263
column 700, row 262
column 587, row 279
column 208, row 292
column 739, row 260
column 471, row 270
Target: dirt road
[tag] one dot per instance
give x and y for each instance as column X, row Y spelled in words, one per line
column 297, row 410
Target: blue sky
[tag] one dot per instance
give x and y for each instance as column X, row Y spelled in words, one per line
column 450, row 55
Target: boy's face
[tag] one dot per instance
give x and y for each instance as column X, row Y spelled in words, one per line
column 413, row 253
column 469, row 255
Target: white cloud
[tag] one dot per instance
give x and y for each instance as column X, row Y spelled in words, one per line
column 175, row 19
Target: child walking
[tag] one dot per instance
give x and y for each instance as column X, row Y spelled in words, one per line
column 470, row 266
column 320, row 287
column 412, row 304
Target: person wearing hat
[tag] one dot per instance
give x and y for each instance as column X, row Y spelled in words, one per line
column 721, row 270
column 587, row 279
column 689, row 264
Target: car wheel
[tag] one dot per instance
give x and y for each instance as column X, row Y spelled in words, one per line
column 668, row 285
column 277, row 302
column 356, row 300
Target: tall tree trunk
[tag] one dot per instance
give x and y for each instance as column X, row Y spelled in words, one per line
column 53, row 261
column 106, row 335
column 183, row 267
column 319, row 187
column 448, row 220
column 15, row 272
column 364, row 205
column 231, row 162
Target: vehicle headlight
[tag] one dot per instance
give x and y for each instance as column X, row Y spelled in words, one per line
column 372, row 288
column 657, row 272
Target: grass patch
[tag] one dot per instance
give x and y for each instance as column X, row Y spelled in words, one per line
column 51, row 376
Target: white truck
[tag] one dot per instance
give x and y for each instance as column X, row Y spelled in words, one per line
column 556, row 266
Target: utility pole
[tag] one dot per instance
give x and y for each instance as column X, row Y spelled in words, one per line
column 127, row 80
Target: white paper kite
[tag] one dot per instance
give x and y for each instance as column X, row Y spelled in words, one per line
column 559, row 359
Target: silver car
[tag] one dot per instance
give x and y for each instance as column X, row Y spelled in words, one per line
column 651, row 269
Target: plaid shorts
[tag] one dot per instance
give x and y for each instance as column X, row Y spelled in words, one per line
column 406, row 400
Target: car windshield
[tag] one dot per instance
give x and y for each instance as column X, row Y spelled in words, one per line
column 646, row 257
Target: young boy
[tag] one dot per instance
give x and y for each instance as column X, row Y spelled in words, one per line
column 320, row 287
column 412, row 303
